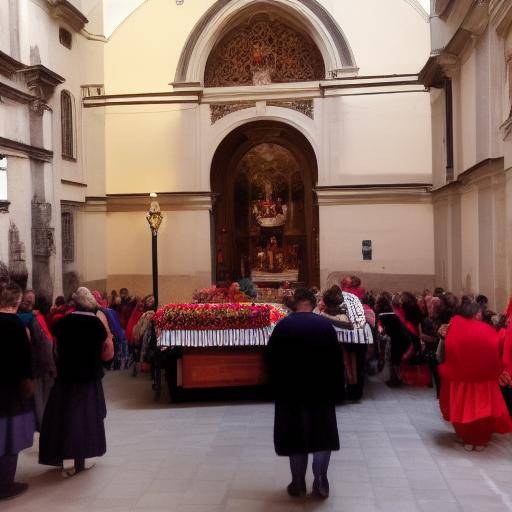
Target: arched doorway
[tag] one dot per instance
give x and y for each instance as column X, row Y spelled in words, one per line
column 265, row 215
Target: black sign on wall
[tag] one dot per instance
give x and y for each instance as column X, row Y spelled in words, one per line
column 367, row 250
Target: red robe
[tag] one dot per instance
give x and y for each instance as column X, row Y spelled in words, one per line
column 132, row 322
column 471, row 398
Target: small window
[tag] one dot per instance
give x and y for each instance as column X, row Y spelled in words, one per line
column 65, row 38
column 367, row 250
column 3, row 178
column 68, row 236
column 67, row 125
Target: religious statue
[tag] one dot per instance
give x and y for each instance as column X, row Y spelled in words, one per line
column 261, row 65
column 269, row 212
column 272, row 248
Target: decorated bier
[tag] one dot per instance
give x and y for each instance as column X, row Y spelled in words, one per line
column 219, row 345
column 216, row 325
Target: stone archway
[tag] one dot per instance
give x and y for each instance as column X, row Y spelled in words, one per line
column 311, row 15
column 266, row 215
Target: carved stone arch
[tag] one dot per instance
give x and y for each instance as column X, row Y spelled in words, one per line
column 314, row 19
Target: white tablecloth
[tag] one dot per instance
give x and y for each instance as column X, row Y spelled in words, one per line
column 218, row 338
column 246, row 337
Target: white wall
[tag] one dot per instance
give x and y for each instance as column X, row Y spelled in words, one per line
column 402, row 236
column 380, row 139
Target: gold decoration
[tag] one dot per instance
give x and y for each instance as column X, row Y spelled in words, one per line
column 154, row 217
column 263, row 51
column 305, row 107
column 220, row 110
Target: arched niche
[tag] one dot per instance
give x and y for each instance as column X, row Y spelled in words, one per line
column 263, row 175
column 309, row 17
column 264, row 47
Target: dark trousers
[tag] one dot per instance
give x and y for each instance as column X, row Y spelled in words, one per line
column 8, row 465
column 299, row 465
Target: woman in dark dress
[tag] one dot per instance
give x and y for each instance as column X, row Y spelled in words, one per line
column 17, row 419
column 73, row 430
column 400, row 339
column 304, row 363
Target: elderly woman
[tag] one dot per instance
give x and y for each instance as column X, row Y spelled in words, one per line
column 17, row 420
column 73, row 430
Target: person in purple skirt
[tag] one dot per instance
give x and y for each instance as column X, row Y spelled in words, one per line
column 17, row 418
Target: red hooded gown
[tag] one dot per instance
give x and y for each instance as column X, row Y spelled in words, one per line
column 471, row 398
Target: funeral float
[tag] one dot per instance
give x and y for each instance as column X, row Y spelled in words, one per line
column 213, row 345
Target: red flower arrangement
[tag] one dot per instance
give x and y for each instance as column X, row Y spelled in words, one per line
column 204, row 317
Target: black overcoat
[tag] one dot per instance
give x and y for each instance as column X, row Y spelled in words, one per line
column 304, row 363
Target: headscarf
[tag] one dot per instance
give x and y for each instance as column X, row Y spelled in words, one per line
column 102, row 303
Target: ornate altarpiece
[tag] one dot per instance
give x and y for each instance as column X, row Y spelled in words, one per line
column 265, row 216
column 263, row 51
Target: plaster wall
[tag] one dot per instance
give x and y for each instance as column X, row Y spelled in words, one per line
column 438, row 134
column 470, row 241
column 358, row 140
column 5, row 40
column 155, row 58
column 183, row 250
column 467, row 139
column 379, row 139
column 344, row 227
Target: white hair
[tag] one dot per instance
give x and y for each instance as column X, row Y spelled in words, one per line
column 84, row 299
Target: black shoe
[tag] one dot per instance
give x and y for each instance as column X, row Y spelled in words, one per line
column 297, row 489
column 321, row 488
column 12, row 490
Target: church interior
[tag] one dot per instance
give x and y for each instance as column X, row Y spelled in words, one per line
column 272, row 145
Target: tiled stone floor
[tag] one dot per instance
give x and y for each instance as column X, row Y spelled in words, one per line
column 397, row 455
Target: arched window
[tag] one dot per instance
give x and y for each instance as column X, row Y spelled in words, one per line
column 67, row 125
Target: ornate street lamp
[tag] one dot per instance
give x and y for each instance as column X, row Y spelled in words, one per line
column 154, row 218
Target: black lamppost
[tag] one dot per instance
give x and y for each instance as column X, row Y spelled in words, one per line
column 154, row 218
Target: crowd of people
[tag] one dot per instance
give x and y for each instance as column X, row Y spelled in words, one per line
column 458, row 344
column 318, row 355
column 52, row 382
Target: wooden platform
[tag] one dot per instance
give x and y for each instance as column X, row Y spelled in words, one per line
column 219, row 368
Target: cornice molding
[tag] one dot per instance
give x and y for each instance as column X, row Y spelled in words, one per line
column 374, row 194
column 33, row 152
column 8, row 65
column 42, row 80
column 169, row 201
column 15, row 94
column 73, row 183
column 444, row 62
column 474, row 177
column 66, row 11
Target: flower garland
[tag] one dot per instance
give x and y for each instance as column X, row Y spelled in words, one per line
column 216, row 316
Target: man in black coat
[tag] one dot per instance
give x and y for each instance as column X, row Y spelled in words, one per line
column 304, row 362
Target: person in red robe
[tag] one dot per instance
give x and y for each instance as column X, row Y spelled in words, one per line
column 146, row 304
column 470, row 394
